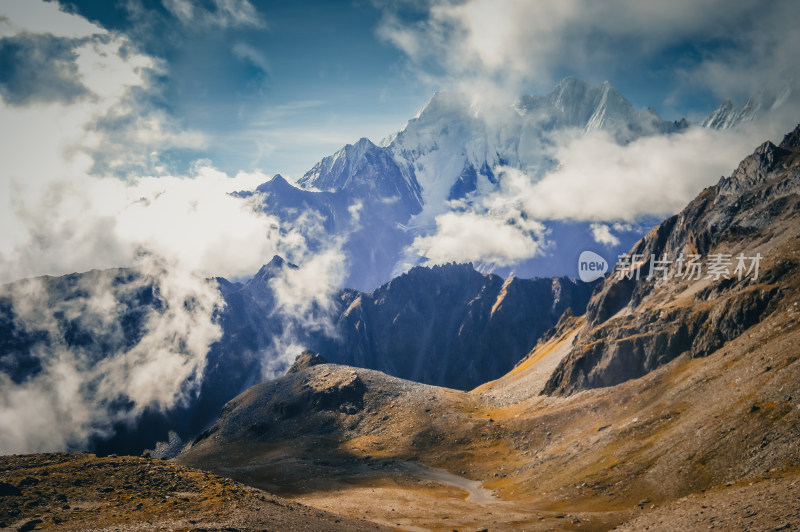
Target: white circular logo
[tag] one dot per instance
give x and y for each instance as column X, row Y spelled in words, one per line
column 591, row 266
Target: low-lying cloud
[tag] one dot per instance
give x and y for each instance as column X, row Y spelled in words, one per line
column 108, row 345
column 600, row 180
column 305, row 302
column 501, row 237
column 87, row 184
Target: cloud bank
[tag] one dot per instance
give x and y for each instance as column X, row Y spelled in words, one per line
column 86, row 183
column 496, row 51
column 91, row 375
column 85, row 176
column 516, row 43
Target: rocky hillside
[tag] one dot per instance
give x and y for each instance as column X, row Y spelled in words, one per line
column 447, row 325
column 705, row 441
column 642, row 318
column 78, row 491
column 450, row 325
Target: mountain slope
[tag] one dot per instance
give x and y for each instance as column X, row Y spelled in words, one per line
column 634, row 326
column 728, row 116
column 78, row 491
column 364, row 171
column 574, row 103
column 450, row 325
column 476, row 328
column 709, row 440
column 378, row 199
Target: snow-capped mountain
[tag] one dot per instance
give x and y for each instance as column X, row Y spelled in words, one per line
column 454, row 145
column 728, row 116
column 574, row 103
column 383, row 196
column 364, row 170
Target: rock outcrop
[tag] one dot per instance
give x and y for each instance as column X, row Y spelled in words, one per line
column 636, row 322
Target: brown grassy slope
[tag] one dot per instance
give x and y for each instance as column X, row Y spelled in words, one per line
column 77, row 491
column 702, row 384
column 692, row 425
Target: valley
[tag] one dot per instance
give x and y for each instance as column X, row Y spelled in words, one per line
column 705, row 427
column 446, row 398
column 442, row 265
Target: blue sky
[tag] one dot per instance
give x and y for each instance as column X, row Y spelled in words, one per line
column 124, row 124
column 280, row 93
column 277, row 85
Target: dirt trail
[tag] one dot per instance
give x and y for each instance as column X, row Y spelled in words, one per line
column 477, row 493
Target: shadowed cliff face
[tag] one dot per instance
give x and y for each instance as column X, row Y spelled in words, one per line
column 636, row 325
column 450, row 325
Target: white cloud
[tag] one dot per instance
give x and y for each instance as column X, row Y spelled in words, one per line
column 43, row 17
column 305, row 298
column 59, row 216
column 493, row 239
column 513, row 44
column 600, row 180
column 602, row 235
column 221, row 13
column 247, row 53
column 764, row 58
column 78, row 395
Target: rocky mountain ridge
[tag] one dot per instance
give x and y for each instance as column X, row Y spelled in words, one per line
column 378, row 198
column 476, row 328
column 669, row 401
column 635, row 324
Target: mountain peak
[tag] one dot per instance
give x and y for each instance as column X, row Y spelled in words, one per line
column 272, row 269
column 364, row 170
column 278, row 182
column 334, row 171
column 728, row 115
column 364, row 142
column 792, row 139
column 570, row 82
column 444, row 103
column 306, row 359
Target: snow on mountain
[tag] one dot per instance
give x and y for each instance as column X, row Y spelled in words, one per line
column 574, row 103
column 728, row 116
column 381, row 197
column 454, row 145
column 364, row 170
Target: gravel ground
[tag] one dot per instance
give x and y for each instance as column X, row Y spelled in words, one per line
column 769, row 503
column 78, row 491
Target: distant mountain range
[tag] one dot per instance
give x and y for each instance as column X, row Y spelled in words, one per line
column 451, row 325
column 728, row 116
column 378, row 198
column 447, row 325
column 674, row 399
